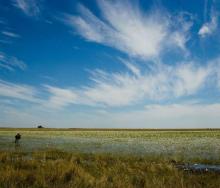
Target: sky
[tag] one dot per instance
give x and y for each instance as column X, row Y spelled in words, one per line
column 110, row 64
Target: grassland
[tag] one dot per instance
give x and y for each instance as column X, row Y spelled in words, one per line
column 114, row 158
column 183, row 144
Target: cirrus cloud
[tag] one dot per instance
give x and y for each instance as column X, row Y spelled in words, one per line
column 11, row 62
column 210, row 27
column 29, row 7
column 127, row 28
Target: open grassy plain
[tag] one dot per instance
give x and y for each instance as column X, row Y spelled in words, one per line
column 107, row 158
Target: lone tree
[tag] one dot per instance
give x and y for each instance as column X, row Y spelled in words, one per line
column 40, row 127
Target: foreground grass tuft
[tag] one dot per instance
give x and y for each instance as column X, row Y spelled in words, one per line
column 57, row 169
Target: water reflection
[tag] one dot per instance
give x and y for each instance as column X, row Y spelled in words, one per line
column 202, row 168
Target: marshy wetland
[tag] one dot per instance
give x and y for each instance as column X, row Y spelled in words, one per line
column 109, row 158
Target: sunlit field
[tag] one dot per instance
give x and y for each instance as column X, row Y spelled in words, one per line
column 107, row 158
column 183, row 144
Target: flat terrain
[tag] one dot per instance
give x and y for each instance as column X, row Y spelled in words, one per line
column 204, row 144
column 107, row 158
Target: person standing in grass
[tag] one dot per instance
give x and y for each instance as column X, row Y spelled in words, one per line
column 17, row 138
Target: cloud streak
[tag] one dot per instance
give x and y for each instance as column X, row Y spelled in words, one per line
column 10, row 34
column 154, row 85
column 18, row 91
column 210, row 27
column 125, row 27
column 11, row 63
column 137, row 85
column 60, row 97
column 29, row 7
column 160, row 83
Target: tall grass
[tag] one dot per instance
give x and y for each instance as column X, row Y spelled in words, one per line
column 57, row 169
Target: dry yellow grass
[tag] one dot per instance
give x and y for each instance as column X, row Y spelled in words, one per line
column 58, row 169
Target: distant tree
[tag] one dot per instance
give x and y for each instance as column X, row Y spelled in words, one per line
column 40, row 127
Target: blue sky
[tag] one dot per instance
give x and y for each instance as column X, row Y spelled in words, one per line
column 127, row 64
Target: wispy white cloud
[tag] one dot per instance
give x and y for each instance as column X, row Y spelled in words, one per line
column 155, row 84
column 10, row 62
column 136, row 85
column 189, row 78
column 29, row 7
column 180, row 34
column 128, row 29
column 60, row 97
column 10, row 34
column 145, row 35
column 210, row 27
column 113, row 89
column 159, row 83
column 133, row 68
column 18, row 91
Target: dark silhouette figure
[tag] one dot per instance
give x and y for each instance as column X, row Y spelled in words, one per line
column 17, row 138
